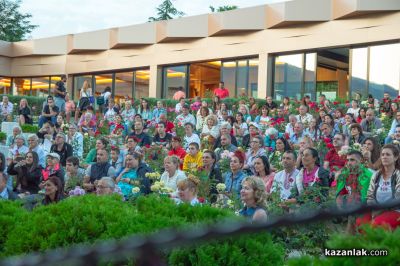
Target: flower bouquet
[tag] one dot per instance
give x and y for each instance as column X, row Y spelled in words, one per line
column 77, row 191
column 224, row 162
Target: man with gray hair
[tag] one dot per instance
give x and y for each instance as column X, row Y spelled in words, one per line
column 33, row 145
column 225, row 129
column 105, row 186
column 298, row 133
column 19, row 148
column 10, row 141
column 62, row 148
column 290, row 126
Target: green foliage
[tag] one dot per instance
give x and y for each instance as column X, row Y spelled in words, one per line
column 222, row 8
column 165, row 11
column 26, row 128
column 254, row 249
column 10, row 213
column 3, row 136
column 90, row 218
column 15, row 26
column 371, row 239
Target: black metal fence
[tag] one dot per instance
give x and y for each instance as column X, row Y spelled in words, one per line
column 145, row 248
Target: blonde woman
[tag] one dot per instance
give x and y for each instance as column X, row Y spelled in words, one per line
column 84, row 98
column 24, row 112
column 187, row 191
column 254, row 197
column 210, row 127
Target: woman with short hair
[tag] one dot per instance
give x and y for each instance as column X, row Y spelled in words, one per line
column 172, row 174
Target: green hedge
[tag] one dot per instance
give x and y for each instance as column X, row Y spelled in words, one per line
column 90, row 218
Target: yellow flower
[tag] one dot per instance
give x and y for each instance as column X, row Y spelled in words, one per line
column 135, row 190
column 155, row 188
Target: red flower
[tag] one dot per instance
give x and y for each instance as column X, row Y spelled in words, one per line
column 270, row 149
column 335, row 103
column 327, row 140
column 287, row 136
column 347, row 101
column 329, row 145
column 201, row 200
column 147, row 146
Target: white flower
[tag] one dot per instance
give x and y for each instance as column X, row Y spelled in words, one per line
column 221, row 187
column 135, row 190
column 155, row 188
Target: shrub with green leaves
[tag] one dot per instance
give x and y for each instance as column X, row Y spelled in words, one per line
column 3, row 136
column 10, row 214
column 254, row 249
column 26, row 128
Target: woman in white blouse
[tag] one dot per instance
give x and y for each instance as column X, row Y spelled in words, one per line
column 210, row 127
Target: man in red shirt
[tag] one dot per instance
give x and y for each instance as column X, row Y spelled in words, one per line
column 177, row 149
column 333, row 161
column 221, row 92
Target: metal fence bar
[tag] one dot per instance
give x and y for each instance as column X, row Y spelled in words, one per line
column 144, row 247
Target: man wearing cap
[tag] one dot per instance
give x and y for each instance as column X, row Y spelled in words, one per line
column 19, row 148
column 75, row 139
column 53, row 168
column 98, row 170
column 33, row 142
column 63, row 149
column 185, row 117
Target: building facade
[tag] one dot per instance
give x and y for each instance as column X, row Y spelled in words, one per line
column 295, row 48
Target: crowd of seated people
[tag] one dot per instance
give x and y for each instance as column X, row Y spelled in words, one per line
column 253, row 149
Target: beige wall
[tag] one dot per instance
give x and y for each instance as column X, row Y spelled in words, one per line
column 273, row 29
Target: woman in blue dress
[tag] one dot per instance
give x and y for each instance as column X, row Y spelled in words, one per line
column 254, row 199
column 128, row 180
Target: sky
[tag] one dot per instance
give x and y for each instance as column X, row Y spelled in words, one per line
column 60, row 17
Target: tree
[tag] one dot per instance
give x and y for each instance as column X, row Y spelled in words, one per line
column 14, row 25
column 166, row 11
column 222, row 8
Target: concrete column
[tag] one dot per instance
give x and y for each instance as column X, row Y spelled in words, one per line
column 153, row 93
column 262, row 75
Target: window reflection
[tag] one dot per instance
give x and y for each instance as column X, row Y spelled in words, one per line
column 229, row 76
column 142, row 78
column 5, row 85
column 40, row 86
column 22, row 86
column 175, row 79
column 359, row 68
column 123, row 86
column 310, row 75
column 384, row 70
column 253, row 77
column 288, row 76
column 241, row 79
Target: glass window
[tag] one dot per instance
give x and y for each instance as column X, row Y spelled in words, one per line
column 204, row 78
column 78, row 83
column 384, row 70
column 241, row 78
column 5, row 85
column 229, row 77
column 288, row 76
column 310, row 75
column 359, row 68
column 123, row 86
column 142, row 78
column 22, row 86
column 102, row 82
column 40, row 86
column 253, row 77
column 175, row 78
